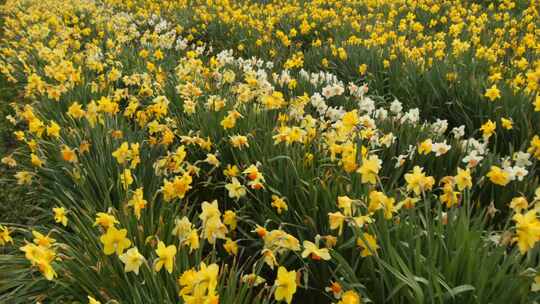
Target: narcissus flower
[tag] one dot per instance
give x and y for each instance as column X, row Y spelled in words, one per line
column 212, row 159
column 229, row 219
column 336, row 289
column 441, row 148
column 93, row 301
column 285, row 285
column 138, row 202
column 507, row 123
column 24, row 177
column 239, row 141
column 493, row 93
column 269, row 258
column 519, row 203
column 362, row 69
column 214, row 229
column 84, row 147
column 231, row 171
column 369, row 169
column 200, row 286
column 132, row 260
column 534, row 148
column 105, row 220
column 281, row 241
column 527, row 230
column 209, row 210
column 345, row 204
column 498, row 176
column 313, row 251
column 75, row 110
column 253, row 279
column 350, row 297
column 53, row 130
column 336, row 220
column 279, row 203
column 488, row 128
column 165, row 258
column 368, row 244
column 60, row 215
column 252, row 172
column 9, row 161
column 41, row 240
column 230, row 120
column 177, row 188
column 463, row 179
column 231, row 247
column 68, row 154
column 35, row 160
column 122, row 153
column 126, row 178
column 115, row 241
column 407, row 203
column 273, row 101
column 449, row 196
column 418, row 182
column 182, row 227
column 379, row 200
column 261, row 231
column 186, row 233
column 350, row 120
column 5, row 236
column 535, row 286
column 425, row 147
column 41, row 257
column 236, row 189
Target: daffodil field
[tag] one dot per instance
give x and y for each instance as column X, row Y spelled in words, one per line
column 243, row 151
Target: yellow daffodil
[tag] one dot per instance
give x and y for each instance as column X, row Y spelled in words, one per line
column 534, row 148
column 115, row 241
column 41, row 257
column 132, row 260
column 519, row 203
column 231, row 247
column 498, row 176
column 279, row 203
column 493, row 93
column 229, row 219
column 418, row 182
column 336, row 220
column 488, row 128
column 369, row 169
column 5, row 236
column 105, row 220
column 93, row 301
column 42, row 240
column 60, row 215
column 177, row 188
column 285, row 285
column 368, row 244
column 68, row 154
column 313, row 251
column 463, row 179
column 236, row 190
column 425, row 147
column 527, row 230
column 350, row 297
column 165, row 258
column 138, row 202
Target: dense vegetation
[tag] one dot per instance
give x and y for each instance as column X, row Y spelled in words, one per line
column 269, row 151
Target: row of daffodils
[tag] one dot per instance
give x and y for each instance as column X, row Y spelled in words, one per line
column 177, row 170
